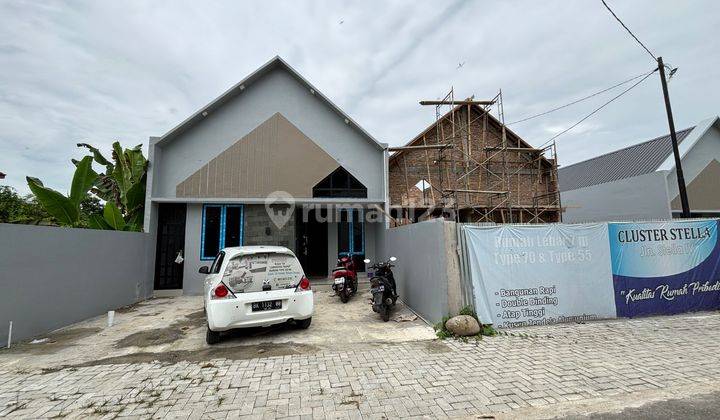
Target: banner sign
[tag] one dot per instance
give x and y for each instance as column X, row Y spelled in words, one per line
column 665, row 268
column 540, row 274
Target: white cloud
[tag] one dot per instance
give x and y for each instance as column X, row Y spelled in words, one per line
column 104, row 71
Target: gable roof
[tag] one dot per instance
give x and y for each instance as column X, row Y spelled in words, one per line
column 638, row 159
column 275, row 62
column 510, row 134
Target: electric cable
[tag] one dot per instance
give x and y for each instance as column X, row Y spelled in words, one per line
column 578, row 100
column 629, row 31
column 599, row 108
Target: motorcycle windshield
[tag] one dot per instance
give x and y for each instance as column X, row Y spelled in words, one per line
column 250, row 273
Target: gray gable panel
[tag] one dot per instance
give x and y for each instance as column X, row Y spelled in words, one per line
column 631, row 161
column 275, row 62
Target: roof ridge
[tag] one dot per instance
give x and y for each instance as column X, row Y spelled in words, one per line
column 458, row 107
column 257, row 74
column 677, row 132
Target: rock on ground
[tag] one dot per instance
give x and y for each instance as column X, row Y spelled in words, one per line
column 463, row 325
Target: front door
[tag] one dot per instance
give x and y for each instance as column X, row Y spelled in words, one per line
column 351, row 236
column 312, row 247
column 170, row 244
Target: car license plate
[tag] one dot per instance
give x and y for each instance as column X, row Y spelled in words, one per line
column 378, row 289
column 340, row 280
column 267, row 305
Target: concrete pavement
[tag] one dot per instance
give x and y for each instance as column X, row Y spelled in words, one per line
column 597, row 368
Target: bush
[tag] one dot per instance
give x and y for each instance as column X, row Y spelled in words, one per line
column 485, row 329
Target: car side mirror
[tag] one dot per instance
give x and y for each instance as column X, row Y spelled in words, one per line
column 366, row 260
column 204, row 270
column 393, row 259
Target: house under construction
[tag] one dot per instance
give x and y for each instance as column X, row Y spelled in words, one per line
column 469, row 166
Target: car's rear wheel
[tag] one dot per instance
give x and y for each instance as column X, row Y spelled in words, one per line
column 212, row 337
column 303, row 324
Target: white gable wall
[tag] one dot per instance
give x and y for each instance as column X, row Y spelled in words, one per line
column 277, row 91
column 706, row 149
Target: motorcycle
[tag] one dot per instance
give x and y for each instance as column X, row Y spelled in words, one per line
column 345, row 283
column 383, row 288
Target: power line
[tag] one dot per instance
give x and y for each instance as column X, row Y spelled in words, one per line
column 629, row 31
column 578, row 100
column 599, row 108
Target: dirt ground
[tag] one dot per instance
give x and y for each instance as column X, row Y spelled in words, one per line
column 173, row 329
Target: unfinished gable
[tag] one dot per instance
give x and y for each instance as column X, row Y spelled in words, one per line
column 275, row 156
column 479, row 172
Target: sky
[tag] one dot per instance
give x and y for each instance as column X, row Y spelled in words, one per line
column 100, row 71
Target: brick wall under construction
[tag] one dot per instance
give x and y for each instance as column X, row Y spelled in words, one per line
column 514, row 183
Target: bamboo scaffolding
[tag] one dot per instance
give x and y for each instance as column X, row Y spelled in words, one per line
column 497, row 163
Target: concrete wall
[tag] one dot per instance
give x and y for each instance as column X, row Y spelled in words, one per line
column 427, row 269
column 276, row 92
column 643, row 197
column 51, row 277
column 260, row 230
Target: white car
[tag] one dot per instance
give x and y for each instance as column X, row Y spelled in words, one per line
column 255, row 286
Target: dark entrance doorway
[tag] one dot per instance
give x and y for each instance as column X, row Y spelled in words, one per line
column 312, row 247
column 351, row 236
column 170, row 243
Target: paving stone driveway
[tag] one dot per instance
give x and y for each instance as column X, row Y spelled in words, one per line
column 547, row 367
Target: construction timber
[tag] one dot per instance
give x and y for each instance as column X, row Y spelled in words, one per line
column 470, row 167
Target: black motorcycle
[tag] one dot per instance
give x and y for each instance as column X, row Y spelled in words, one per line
column 383, row 288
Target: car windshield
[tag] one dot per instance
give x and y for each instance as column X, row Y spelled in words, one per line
column 249, row 273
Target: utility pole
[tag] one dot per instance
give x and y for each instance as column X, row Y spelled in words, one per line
column 673, row 138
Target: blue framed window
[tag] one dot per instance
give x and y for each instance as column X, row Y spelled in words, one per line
column 351, row 232
column 222, row 226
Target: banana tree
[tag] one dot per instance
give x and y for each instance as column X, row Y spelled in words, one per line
column 66, row 210
column 122, row 186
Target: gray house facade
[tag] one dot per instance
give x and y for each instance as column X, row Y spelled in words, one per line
column 271, row 161
column 640, row 183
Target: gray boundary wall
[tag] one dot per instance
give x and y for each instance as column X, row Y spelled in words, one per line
column 643, row 197
column 427, row 271
column 51, row 277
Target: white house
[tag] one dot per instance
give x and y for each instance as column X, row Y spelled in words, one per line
column 639, row 182
column 272, row 161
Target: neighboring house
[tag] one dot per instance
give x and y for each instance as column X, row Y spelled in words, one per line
column 210, row 178
column 467, row 175
column 639, row 182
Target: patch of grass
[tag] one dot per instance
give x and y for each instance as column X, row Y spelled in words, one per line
column 468, row 310
column 487, row 330
column 441, row 331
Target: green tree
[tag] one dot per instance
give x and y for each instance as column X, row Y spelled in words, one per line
column 11, row 204
column 15, row 208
